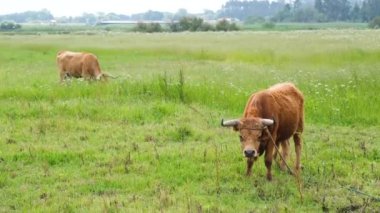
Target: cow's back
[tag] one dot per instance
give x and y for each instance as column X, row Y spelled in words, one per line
column 281, row 102
column 70, row 62
column 78, row 64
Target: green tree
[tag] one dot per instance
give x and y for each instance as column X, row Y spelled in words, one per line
column 225, row 25
column 8, row 26
column 375, row 23
column 334, row 10
column 319, row 6
column 370, row 9
column 28, row 16
column 148, row 28
column 355, row 14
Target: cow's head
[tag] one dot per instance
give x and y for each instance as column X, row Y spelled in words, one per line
column 252, row 134
column 102, row 77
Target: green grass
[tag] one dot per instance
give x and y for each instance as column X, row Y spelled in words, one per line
column 151, row 141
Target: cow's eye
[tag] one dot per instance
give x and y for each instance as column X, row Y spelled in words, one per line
column 241, row 138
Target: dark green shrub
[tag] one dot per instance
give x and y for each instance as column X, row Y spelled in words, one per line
column 222, row 25
column 206, row 27
column 148, row 28
column 7, row 26
column 174, row 27
column 197, row 24
column 190, row 24
column 225, row 25
column 375, row 23
column 269, row 25
column 154, row 27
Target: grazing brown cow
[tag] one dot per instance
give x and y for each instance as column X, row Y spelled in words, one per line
column 79, row 65
column 280, row 109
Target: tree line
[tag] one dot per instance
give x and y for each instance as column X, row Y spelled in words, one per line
column 306, row 10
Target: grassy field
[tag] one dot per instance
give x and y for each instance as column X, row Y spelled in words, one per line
column 150, row 140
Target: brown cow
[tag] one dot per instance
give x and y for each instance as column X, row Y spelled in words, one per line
column 280, row 109
column 79, row 65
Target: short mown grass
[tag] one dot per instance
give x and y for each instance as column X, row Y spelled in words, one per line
column 151, row 141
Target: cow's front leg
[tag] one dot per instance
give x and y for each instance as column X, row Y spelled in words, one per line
column 268, row 160
column 249, row 166
column 62, row 76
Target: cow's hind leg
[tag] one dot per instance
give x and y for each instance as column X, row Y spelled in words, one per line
column 298, row 147
column 285, row 154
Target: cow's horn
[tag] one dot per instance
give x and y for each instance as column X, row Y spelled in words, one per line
column 98, row 77
column 109, row 75
column 267, row 122
column 230, row 122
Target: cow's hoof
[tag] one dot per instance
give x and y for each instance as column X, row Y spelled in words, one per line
column 269, row 177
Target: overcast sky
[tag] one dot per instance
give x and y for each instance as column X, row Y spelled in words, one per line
column 127, row 7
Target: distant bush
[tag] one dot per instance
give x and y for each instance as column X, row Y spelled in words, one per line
column 174, row 27
column 225, row 25
column 269, row 25
column 148, row 28
column 7, row 26
column 206, row 27
column 375, row 23
column 197, row 24
column 187, row 24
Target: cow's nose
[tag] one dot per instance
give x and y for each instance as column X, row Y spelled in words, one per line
column 249, row 153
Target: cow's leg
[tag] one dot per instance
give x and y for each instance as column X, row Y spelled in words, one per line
column 268, row 161
column 298, row 142
column 275, row 152
column 249, row 166
column 285, row 154
column 269, row 158
column 62, row 75
column 86, row 74
column 298, row 148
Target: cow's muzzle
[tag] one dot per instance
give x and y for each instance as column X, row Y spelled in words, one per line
column 249, row 153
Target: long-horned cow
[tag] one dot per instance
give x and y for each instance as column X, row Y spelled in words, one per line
column 278, row 111
column 79, row 65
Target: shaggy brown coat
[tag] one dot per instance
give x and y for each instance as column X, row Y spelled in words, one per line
column 282, row 103
column 79, row 65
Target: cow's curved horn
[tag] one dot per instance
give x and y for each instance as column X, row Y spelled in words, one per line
column 230, row 122
column 98, row 77
column 267, row 122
